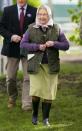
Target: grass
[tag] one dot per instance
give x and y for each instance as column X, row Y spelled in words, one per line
column 66, row 112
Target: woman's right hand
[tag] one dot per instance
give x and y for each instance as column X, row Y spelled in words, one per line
column 42, row 47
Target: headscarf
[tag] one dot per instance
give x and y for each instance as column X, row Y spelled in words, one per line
column 50, row 22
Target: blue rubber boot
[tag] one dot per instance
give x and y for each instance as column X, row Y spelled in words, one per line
column 46, row 110
column 35, row 105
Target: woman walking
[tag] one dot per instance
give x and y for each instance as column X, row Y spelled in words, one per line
column 44, row 39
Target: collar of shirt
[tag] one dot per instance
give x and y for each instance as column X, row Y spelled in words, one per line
column 19, row 10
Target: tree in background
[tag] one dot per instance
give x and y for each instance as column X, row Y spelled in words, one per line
column 75, row 17
column 34, row 3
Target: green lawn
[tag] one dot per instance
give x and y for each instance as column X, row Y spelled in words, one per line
column 66, row 112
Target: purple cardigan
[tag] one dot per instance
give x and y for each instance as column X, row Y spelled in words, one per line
column 61, row 44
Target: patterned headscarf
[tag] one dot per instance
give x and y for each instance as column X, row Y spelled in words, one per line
column 50, row 22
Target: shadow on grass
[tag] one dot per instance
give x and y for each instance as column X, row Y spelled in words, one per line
column 53, row 126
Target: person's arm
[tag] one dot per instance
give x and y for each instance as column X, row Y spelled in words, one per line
column 62, row 43
column 5, row 28
column 4, row 23
column 29, row 46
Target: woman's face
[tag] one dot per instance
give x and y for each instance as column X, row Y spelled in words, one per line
column 43, row 16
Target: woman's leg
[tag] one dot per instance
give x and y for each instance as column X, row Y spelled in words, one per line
column 35, row 106
column 46, row 106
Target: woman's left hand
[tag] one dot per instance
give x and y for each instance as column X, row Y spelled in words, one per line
column 49, row 43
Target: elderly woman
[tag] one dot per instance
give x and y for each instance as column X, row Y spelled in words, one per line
column 44, row 39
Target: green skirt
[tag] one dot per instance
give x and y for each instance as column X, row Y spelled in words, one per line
column 43, row 84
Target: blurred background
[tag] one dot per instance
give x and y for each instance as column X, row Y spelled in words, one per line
column 61, row 14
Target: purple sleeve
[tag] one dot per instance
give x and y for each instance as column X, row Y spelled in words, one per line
column 25, row 43
column 62, row 43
